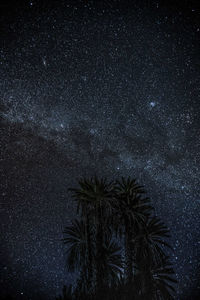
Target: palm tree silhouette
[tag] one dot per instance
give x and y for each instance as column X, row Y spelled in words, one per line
column 116, row 246
column 75, row 238
column 131, row 211
column 94, row 202
column 110, row 260
column 149, row 241
column 157, row 280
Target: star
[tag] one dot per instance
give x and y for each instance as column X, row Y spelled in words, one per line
column 152, row 104
column 44, row 62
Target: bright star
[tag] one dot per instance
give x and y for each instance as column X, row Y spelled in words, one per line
column 153, row 104
column 44, row 62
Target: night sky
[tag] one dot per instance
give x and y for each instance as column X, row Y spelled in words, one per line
column 96, row 87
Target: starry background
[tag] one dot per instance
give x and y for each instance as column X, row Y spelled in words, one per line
column 105, row 87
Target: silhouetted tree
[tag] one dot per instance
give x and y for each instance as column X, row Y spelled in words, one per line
column 116, row 246
column 131, row 211
column 94, row 199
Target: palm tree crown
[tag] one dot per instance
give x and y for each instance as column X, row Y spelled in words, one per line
column 116, row 245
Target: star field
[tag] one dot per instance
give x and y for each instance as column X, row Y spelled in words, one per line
column 108, row 88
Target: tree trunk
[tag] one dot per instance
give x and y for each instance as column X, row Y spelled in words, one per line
column 99, row 245
column 128, row 255
column 90, row 263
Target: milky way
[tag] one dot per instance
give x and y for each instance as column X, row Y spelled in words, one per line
column 96, row 88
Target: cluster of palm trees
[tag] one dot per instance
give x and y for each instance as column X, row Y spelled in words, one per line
column 116, row 245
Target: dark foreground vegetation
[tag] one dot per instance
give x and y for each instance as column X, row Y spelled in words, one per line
column 116, row 246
